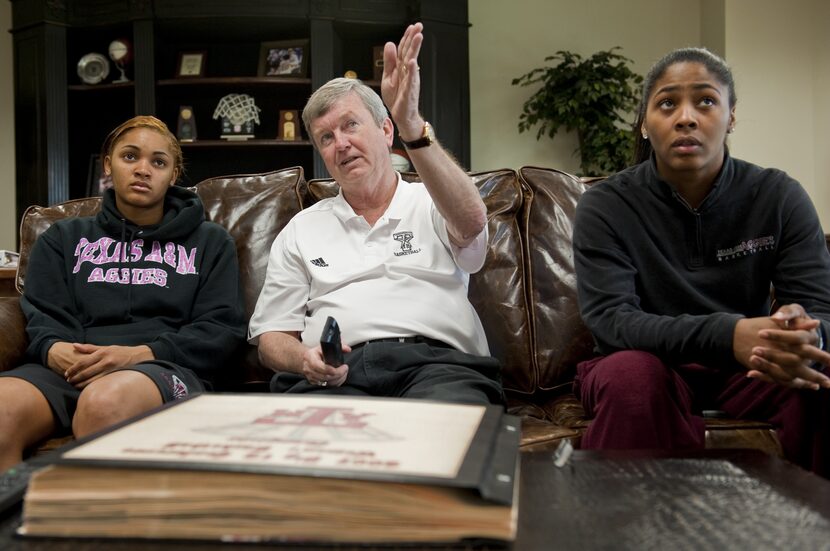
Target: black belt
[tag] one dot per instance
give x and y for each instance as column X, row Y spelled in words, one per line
column 417, row 339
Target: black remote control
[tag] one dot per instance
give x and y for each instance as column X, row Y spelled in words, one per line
column 330, row 343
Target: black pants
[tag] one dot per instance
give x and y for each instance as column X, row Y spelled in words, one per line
column 407, row 370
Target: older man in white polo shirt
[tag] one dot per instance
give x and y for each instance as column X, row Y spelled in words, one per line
column 389, row 260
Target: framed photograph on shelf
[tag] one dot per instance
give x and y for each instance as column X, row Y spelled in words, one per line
column 287, row 58
column 191, row 64
column 97, row 181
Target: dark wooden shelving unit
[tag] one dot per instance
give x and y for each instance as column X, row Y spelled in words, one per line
column 61, row 122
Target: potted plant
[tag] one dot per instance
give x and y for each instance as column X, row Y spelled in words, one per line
column 589, row 96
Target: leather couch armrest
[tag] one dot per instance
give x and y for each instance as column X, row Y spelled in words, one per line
column 13, row 339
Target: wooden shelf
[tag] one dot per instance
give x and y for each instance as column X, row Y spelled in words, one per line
column 103, row 86
column 247, row 143
column 235, row 81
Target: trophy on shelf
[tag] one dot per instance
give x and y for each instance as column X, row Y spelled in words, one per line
column 93, row 68
column 239, row 113
column 288, row 129
column 121, row 53
column 186, row 131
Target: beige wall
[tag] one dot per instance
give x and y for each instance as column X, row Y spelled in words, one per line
column 780, row 56
column 781, row 71
column 821, row 137
column 8, row 229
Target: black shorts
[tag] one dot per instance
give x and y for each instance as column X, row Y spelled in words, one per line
column 174, row 382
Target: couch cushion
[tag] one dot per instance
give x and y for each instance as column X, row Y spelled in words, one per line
column 560, row 338
column 13, row 339
column 37, row 219
column 253, row 208
column 497, row 291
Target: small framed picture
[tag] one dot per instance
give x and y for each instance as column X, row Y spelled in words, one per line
column 191, row 64
column 287, row 58
column 97, row 181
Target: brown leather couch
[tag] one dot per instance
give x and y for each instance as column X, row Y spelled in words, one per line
column 525, row 294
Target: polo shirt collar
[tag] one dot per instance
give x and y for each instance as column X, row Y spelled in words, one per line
column 344, row 211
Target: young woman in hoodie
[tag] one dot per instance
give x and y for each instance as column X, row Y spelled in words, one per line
column 674, row 259
column 126, row 310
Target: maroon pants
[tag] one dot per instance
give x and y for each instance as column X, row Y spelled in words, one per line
column 637, row 401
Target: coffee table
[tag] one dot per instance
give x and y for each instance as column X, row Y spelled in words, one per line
column 713, row 499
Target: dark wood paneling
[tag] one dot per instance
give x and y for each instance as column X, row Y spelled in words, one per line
column 32, row 12
column 144, row 67
column 445, row 93
column 40, row 116
column 371, row 11
column 446, row 11
column 235, row 8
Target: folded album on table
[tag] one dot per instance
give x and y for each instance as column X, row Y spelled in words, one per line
column 265, row 467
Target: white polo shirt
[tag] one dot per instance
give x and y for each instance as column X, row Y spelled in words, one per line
column 398, row 278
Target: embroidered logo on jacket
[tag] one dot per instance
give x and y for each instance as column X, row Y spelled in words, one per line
column 745, row 248
column 405, row 237
column 107, row 250
column 320, row 263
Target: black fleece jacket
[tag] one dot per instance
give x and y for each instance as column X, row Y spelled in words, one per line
column 103, row 280
column 656, row 275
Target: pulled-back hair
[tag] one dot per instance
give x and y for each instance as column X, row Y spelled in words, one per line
column 326, row 95
column 713, row 63
column 145, row 121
